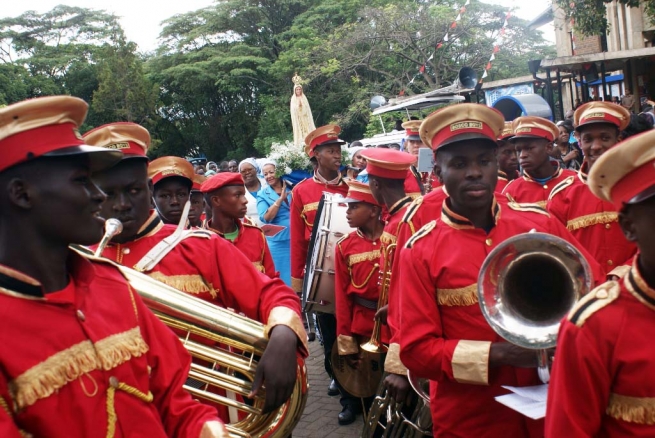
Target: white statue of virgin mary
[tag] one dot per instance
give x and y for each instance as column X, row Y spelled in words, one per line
column 301, row 114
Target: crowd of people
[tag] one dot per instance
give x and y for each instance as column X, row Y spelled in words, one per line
column 80, row 343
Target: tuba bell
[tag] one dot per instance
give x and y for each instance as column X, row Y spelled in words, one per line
column 527, row 285
column 228, row 342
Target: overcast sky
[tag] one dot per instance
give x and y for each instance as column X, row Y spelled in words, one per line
column 142, row 19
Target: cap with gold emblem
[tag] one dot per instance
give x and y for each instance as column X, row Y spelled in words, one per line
column 359, row 192
column 625, row 174
column 131, row 139
column 221, row 180
column 465, row 121
column 197, row 182
column 412, row 129
column 324, row 136
column 601, row 112
column 507, row 133
column 534, row 127
column 166, row 167
column 387, row 163
column 48, row 127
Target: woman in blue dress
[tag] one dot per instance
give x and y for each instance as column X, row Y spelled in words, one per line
column 273, row 206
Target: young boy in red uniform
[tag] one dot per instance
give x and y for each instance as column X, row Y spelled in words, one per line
column 533, row 139
column 80, row 354
column 508, row 163
column 602, row 379
column 387, row 169
column 172, row 178
column 594, row 222
column 197, row 210
column 443, row 335
column 197, row 262
column 226, row 194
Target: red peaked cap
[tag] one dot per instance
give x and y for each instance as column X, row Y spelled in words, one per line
column 221, row 180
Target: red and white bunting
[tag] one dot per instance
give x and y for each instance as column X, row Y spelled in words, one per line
column 497, row 44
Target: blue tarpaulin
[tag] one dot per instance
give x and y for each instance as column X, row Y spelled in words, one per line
column 608, row 79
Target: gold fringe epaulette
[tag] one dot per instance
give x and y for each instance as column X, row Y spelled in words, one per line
column 463, row 296
column 532, row 208
column 605, row 217
column 595, row 300
column 196, row 232
column 313, row 206
column 424, row 231
column 561, row 186
column 639, row 410
column 192, row 284
column 412, row 209
column 43, row 379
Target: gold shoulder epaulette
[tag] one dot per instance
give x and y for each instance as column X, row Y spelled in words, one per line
column 250, row 225
column 424, row 231
column 412, row 209
column 561, row 186
column 205, row 234
column 593, row 302
column 533, row 208
column 508, row 185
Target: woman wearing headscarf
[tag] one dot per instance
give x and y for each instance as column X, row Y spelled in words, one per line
column 357, row 169
column 273, row 202
column 249, row 169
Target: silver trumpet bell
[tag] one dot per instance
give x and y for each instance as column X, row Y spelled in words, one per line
column 527, row 285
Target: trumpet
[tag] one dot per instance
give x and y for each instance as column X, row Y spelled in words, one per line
column 229, row 343
column 375, row 345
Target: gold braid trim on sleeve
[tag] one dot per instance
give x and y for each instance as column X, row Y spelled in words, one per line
column 259, row 266
column 393, row 364
column 605, row 217
column 111, row 410
column 43, row 379
column 463, row 296
column 191, row 284
column 214, row 429
column 471, row 362
column 347, row 345
column 639, row 410
column 285, row 316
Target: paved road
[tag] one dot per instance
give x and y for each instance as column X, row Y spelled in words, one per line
column 320, row 416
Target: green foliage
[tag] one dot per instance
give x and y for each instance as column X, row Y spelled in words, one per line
column 220, row 83
column 589, row 15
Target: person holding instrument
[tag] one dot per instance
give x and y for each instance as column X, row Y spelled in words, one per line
column 197, row 262
column 357, row 266
column 443, row 335
column 81, row 355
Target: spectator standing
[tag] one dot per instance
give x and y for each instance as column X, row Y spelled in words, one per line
column 273, row 206
column 249, row 169
column 628, row 100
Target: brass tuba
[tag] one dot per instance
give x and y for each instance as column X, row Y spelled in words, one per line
column 527, row 284
column 235, row 342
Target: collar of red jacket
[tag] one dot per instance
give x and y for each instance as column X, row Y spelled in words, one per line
column 638, row 287
column 454, row 220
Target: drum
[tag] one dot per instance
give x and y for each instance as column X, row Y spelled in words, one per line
column 330, row 225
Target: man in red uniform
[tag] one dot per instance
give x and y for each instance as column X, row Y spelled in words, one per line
column 357, row 258
column 415, row 181
column 226, row 194
column 443, row 335
column 508, row 163
column 80, row 354
column 197, row 210
column 196, row 261
column 533, row 140
column 323, row 146
column 604, row 351
column 387, row 169
column 172, row 178
column 592, row 221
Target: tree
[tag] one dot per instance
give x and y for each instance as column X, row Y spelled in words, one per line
column 589, row 16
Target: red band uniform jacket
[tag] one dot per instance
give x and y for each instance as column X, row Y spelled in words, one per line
column 592, row 221
column 602, row 379
column 90, row 361
column 252, row 243
column 357, row 266
column 443, row 334
column 304, row 202
column 524, row 189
